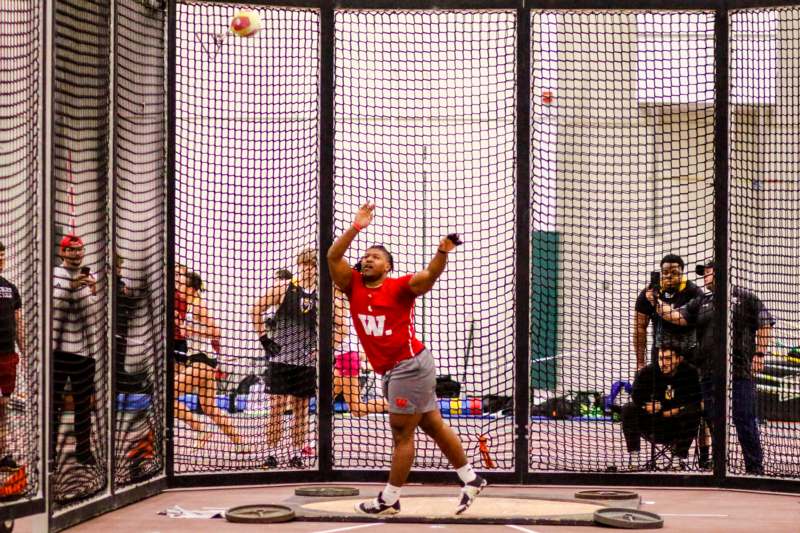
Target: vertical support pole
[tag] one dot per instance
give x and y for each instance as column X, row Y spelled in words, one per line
column 169, row 393
column 47, row 228
column 721, row 249
column 326, row 183
column 111, row 201
column 523, row 267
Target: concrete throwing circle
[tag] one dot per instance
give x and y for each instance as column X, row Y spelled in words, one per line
column 486, row 509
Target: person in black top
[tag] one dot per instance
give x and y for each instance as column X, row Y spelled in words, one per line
column 291, row 351
column 751, row 335
column 11, row 330
column 666, row 404
column 676, row 290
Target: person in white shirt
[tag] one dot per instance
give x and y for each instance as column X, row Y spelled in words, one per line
column 76, row 324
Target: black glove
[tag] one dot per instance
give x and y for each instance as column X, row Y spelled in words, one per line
column 270, row 346
column 181, row 357
column 455, row 239
column 203, row 358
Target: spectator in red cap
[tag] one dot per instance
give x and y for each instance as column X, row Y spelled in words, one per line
column 75, row 341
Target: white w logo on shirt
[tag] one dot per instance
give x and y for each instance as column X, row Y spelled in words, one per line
column 373, row 325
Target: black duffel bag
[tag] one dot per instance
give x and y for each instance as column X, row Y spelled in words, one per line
column 447, row 387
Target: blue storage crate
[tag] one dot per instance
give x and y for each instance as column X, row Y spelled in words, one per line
column 444, row 406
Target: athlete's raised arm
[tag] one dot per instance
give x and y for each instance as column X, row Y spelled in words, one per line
column 341, row 272
column 423, row 281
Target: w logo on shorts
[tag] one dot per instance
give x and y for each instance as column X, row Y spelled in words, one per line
column 402, row 403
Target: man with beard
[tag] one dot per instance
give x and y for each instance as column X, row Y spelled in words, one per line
column 751, row 332
column 675, row 290
column 382, row 311
column 665, row 406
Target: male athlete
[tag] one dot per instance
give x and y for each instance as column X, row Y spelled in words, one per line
column 382, row 311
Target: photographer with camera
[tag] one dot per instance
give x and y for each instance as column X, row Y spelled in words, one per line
column 751, row 335
column 76, row 340
column 670, row 286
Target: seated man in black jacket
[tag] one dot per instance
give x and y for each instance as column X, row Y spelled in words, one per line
column 666, row 404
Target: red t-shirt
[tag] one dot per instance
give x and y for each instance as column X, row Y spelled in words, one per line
column 181, row 309
column 384, row 320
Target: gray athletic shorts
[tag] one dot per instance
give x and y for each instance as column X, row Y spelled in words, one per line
column 410, row 387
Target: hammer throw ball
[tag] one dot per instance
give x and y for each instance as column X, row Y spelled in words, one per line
column 246, row 23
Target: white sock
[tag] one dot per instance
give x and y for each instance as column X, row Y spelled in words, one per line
column 390, row 494
column 466, row 473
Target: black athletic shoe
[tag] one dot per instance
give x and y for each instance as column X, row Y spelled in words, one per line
column 378, row 506
column 296, row 462
column 469, row 492
column 271, row 462
column 703, row 458
column 755, row 471
column 8, row 463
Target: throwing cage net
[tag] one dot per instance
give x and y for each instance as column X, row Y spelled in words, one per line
column 626, row 178
column 622, row 174
column 425, row 128
column 80, row 118
column 20, row 175
column 764, row 400
column 138, row 255
column 246, row 230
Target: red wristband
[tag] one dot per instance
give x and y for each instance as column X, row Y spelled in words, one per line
column 358, row 226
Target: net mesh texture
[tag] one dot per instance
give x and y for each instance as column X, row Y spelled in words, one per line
column 20, row 175
column 139, row 222
column 80, row 116
column 763, row 399
column 425, row 128
column 246, row 211
column 622, row 175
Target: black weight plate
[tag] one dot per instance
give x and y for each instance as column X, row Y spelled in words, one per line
column 259, row 514
column 604, row 494
column 628, row 518
column 328, row 492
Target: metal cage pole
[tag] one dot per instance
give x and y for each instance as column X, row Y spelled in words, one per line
column 169, row 393
column 721, row 239
column 325, row 225
column 522, row 334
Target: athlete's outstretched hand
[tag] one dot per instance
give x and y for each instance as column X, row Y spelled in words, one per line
column 449, row 243
column 364, row 215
